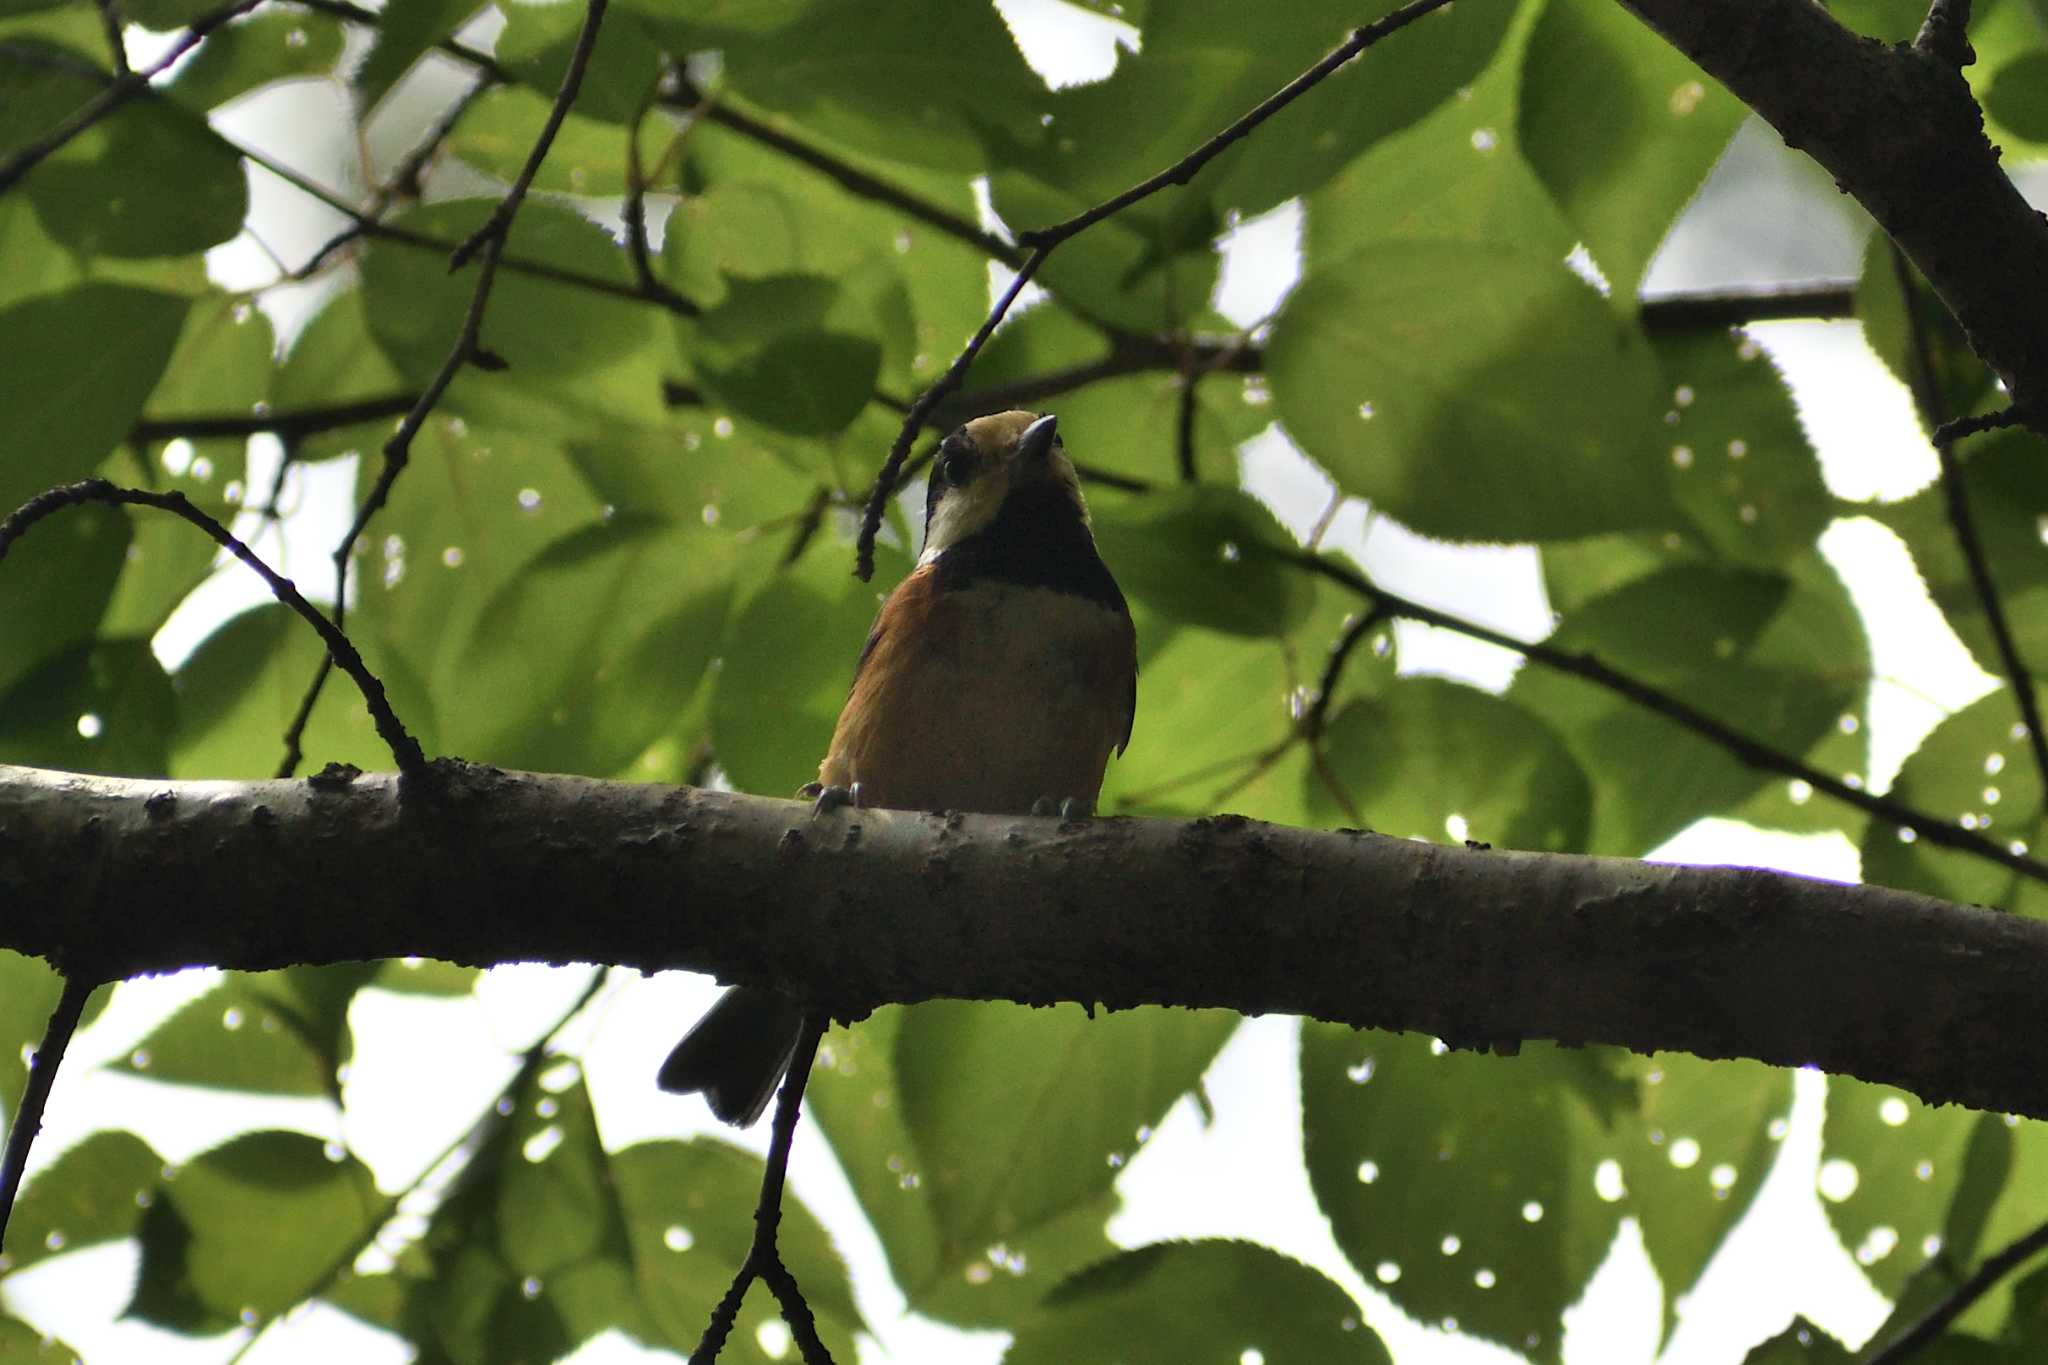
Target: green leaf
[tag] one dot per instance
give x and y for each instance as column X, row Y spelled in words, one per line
column 855, row 1094
column 241, row 689
column 538, row 39
column 404, row 32
column 548, row 333
column 1694, row 1157
column 587, row 157
column 1418, row 371
column 2006, row 482
column 95, row 1192
column 270, row 45
column 1428, row 756
column 99, row 351
column 633, row 611
column 1891, row 1168
column 425, row 976
column 1799, row 1344
column 334, row 361
column 100, row 706
column 1976, row 768
column 149, row 180
column 1206, row 556
column 1622, row 127
column 1741, row 467
column 56, row 585
column 887, row 81
column 786, row 352
column 28, row 992
column 1780, row 660
column 689, row 1209
column 1020, row 1115
column 1462, row 1185
column 2018, row 96
column 235, row 1037
column 21, row 1344
column 1458, row 174
column 788, row 662
column 271, row 1216
column 1962, row 382
column 1149, row 268
column 1181, row 1301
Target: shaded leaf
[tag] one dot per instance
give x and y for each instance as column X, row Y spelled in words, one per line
column 1417, row 372
column 1209, row 557
column 1179, row 1301
column 1428, row 757
column 95, row 1192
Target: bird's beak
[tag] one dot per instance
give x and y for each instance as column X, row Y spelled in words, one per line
column 1036, row 442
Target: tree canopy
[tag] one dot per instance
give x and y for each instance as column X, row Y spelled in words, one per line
column 599, row 492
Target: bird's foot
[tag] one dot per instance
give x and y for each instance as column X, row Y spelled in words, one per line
column 826, row 799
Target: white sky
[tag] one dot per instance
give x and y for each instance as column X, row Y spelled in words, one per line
column 425, row 1068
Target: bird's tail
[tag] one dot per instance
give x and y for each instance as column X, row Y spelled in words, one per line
column 737, row 1053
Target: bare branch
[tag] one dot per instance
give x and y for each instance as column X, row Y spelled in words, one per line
column 871, row 907
column 35, row 1096
column 1725, row 737
column 117, row 93
column 1043, row 241
column 404, row 748
column 1995, row 1268
column 1956, row 496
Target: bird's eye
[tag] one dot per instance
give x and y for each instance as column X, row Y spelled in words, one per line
column 955, row 466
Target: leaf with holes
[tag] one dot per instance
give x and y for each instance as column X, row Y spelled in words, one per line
column 1462, row 1185
column 1977, row 768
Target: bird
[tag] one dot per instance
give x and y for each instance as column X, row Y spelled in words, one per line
column 998, row 677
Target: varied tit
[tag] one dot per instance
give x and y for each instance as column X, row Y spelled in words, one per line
column 998, row 677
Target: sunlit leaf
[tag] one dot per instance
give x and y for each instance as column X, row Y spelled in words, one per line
column 94, row 1193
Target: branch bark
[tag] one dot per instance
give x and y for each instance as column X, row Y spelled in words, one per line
column 1898, row 129
column 115, row 876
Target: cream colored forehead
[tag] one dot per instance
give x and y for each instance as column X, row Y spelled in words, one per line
column 999, row 430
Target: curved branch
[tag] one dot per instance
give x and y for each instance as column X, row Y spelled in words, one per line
column 404, row 748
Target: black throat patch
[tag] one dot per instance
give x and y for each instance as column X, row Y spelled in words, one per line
column 1037, row 540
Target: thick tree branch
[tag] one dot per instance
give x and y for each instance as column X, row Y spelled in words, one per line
column 116, row 876
column 1897, row 128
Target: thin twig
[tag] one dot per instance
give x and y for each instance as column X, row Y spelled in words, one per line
column 35, row 1096
column 1931, row 1324
column 635, row 212
column 1744, row 749
column 404, row 748
column 1956, row 495
column 487, row 244
column 852, row 179
column 1355, row 629
column 1705, row 311
column 1949, row 432
column 289, row 424
column 1184, row 436
column 913, row 422
column 500, row 221
column 764, row 1260
column 117, row 93
column 1043, row 241
column 117, row 46
column 1185, row 169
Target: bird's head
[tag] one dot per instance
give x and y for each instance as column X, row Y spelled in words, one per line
column 1006, row 467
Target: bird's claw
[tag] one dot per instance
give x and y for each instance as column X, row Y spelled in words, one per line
column 826, row 799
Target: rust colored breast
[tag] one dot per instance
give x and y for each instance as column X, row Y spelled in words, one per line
column 985, row 698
